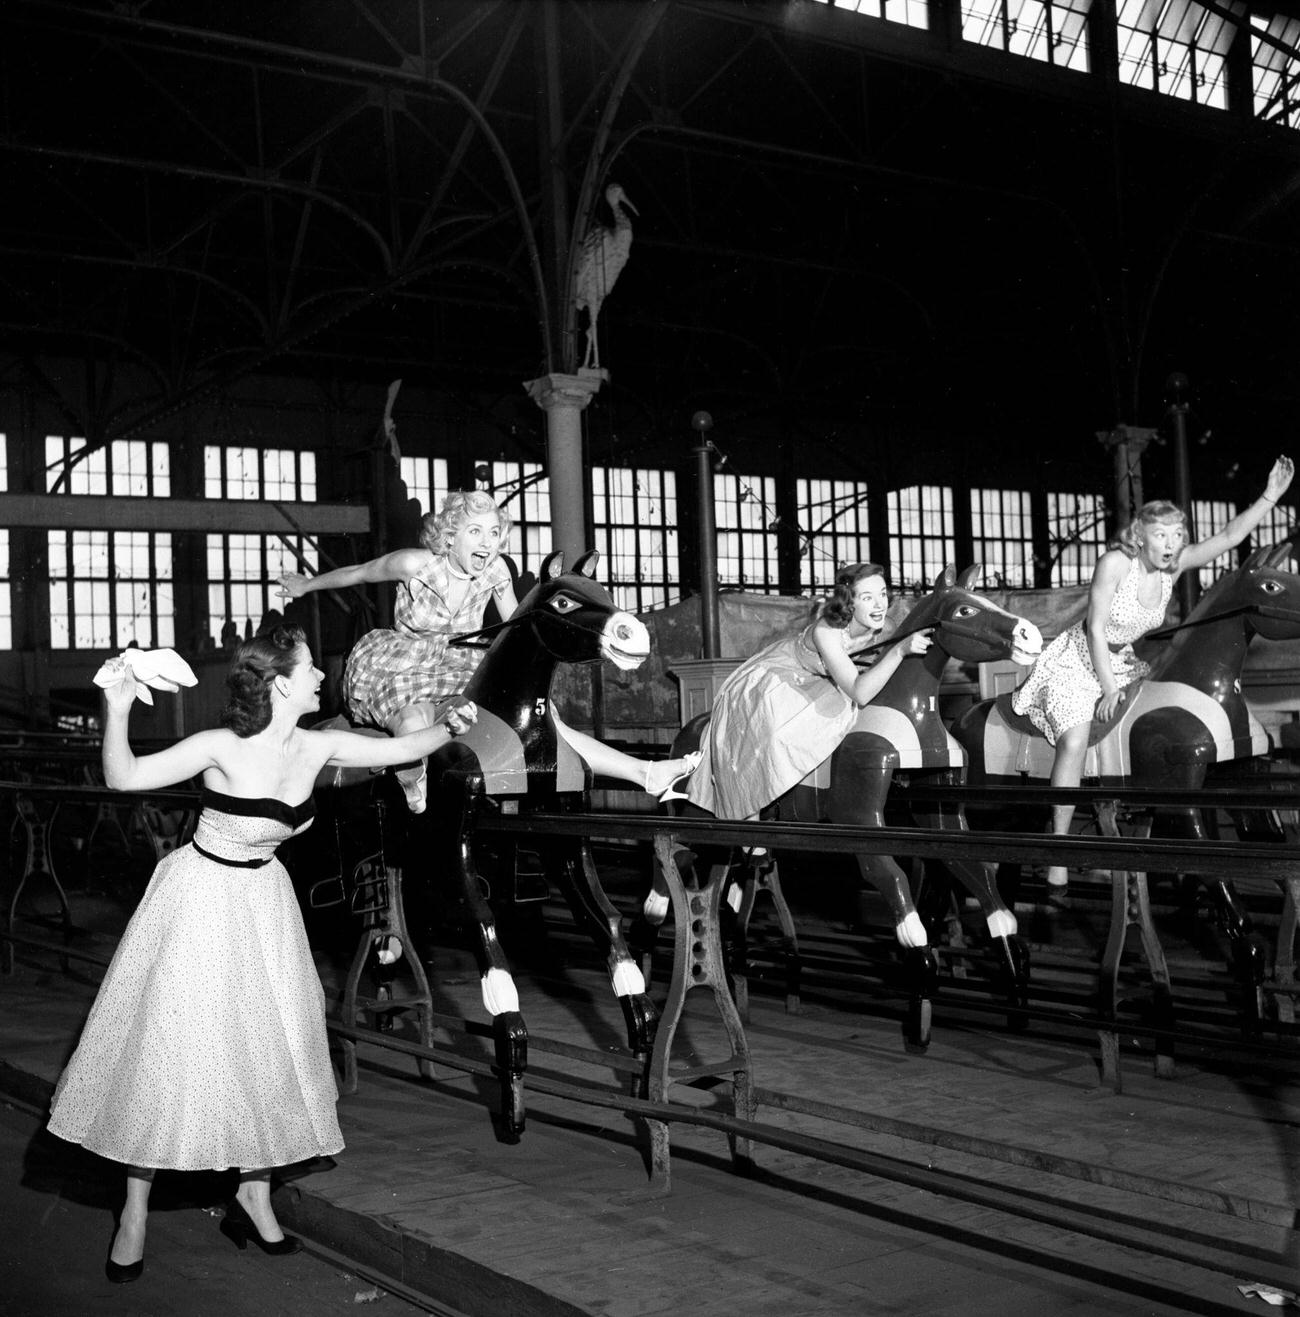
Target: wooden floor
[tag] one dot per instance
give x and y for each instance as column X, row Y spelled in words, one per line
column 998, row 1190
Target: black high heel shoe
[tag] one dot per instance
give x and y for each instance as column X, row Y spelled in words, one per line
column 238, row 1227
column 122, row 1273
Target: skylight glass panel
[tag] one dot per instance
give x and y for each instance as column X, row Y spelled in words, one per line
column 1050, row 31
column 1177, row 47
column 1275, row 71
column 912, row 13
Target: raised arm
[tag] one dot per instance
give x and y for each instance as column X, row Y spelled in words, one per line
column 124, row 770
column 863, row 687
column 1106, row 578
column 1206, row 550
column 398, row 566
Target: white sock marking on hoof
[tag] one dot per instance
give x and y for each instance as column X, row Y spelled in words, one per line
column 499, row 992
column 655, row 907
column 627, row 979
column 911, row 932
column 1002, row 923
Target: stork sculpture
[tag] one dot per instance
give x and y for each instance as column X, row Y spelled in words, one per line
column 600, row 261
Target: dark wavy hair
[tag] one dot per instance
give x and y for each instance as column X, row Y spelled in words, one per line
column 837, row 608
column 257, row 663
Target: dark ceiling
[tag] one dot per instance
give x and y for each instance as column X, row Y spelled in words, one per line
column 859, row 245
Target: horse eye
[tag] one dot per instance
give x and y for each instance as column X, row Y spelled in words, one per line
column 966, row 610
column 562, row 603
column 1272, row 587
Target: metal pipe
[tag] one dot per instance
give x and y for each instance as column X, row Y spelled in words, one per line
column 1176, row 388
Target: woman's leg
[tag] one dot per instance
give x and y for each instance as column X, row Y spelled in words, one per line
column 413, row 776
column 1067, row 771
column 128, row 1243
column 254, row 1196
column 654, row 775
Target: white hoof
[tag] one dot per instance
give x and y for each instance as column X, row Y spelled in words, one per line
column 389, row 950
column 911, row 932
column 655, row 907
column 1002, row 923
column 627, row 979
column 499, row 992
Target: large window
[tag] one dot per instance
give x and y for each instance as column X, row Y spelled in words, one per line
column 1176, row 47
column 242, row 571
column 1002, row 537
column 1053, row 31
column 1275, row 68
column 745, row 510
column 283, row 475
column 636, row 533
column 921, row 540
column 833, row 530
column 1279, row 523
column 426, row 480
column 109, row 589
column 524, row 490
column 1209, row 516
column 132, row 468
column 1076, row 534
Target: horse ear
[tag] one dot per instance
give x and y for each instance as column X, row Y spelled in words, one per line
column 552, row 566
column 1280, row 552
column 970, row 578
column 1257, row 558
column 946, row 578
column 586, row 565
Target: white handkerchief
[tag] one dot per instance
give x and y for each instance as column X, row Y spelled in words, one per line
column 163, row 669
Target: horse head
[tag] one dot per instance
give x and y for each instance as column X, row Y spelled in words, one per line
column 971, row 627
column 574, row 619
column 567, row 617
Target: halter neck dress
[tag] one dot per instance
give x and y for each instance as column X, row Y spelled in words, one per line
column 206, row 1046
column 1062, row 689
column 413, row 663
column 775, row 718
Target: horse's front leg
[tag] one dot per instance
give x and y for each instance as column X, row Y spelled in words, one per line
column 860, row 779
column 980, row 880
column 575, row 874
column 500, row 996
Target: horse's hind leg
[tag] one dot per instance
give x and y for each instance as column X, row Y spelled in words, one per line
column 575, row 874
column 500, row 996
column 980, row 880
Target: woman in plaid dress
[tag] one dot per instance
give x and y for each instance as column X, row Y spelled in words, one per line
column 403, row 679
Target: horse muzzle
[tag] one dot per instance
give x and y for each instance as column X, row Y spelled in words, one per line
column 1026, row 643
column 625, row 642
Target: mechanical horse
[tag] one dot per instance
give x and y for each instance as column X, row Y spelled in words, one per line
column 1186, row 714
column 513, row 755
column 901, row 729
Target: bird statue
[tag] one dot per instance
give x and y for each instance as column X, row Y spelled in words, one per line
column 601, row 260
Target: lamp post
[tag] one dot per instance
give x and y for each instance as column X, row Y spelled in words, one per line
column 702, row 423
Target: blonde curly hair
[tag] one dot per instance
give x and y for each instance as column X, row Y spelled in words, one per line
column 438, row 529
column 1128, row 541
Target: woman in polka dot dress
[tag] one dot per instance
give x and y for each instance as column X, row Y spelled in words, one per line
column 1082, row 674
column 206, row 1048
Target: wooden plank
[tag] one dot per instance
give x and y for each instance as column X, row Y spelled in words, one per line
column 240, row 516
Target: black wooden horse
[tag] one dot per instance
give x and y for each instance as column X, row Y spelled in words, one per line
column 513, row 757
column 901, row 729
column 1187, row 714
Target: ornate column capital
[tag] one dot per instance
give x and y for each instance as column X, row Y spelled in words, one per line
column 575, row 391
